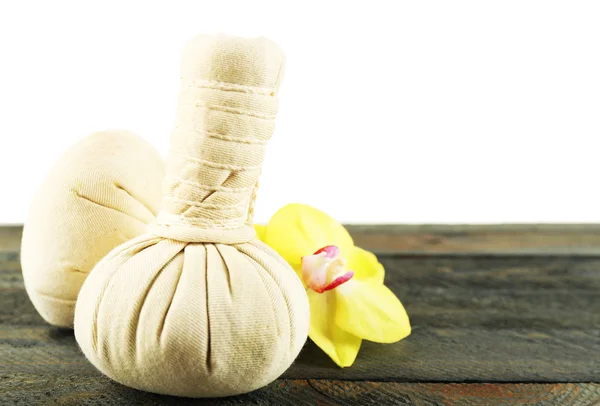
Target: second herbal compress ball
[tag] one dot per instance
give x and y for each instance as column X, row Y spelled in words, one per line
column 102, row 192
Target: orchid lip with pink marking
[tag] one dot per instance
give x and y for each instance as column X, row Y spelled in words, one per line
column 325, row 269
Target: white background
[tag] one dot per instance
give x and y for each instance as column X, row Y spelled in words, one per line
column 415, row 112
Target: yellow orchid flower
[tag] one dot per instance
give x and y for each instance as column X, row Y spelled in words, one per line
column 348, row 300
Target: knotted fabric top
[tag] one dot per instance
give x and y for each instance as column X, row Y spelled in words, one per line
column 226, row 115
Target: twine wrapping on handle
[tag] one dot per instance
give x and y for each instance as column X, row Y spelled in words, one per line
column 224, row 120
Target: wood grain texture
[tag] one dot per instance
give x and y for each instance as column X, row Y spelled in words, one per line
column 495, row 327
column 10, row 238
column 506, row 239
column 97, row 390
column 527, row 319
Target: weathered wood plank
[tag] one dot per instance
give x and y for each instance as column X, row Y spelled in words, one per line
column 76, row 390
column 515, row 239
column 492, row 292
column 388, row 393
column 482, row 310
column 10, row 238
column 430, row 355
column 550, row 239
column 527, row 319
column 498, row 292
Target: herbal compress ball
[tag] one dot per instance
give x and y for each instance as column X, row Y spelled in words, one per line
column 102, row 192
column 199, row 307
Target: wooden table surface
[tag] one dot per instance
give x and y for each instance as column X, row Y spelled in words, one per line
column 501, row 315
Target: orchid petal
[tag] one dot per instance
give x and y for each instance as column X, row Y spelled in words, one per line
column 365, row 265
column 341, row 346
column 371, row 311
column 298, row 230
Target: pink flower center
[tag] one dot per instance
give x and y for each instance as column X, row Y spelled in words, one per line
column 325, row 269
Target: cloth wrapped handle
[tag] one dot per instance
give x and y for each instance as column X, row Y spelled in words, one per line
column 225, row 117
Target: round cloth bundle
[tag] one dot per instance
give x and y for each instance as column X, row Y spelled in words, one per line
column 102, row 192
column 200, row 307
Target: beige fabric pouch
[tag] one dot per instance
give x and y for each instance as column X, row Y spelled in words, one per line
column 102, row 192
column 199, row 306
